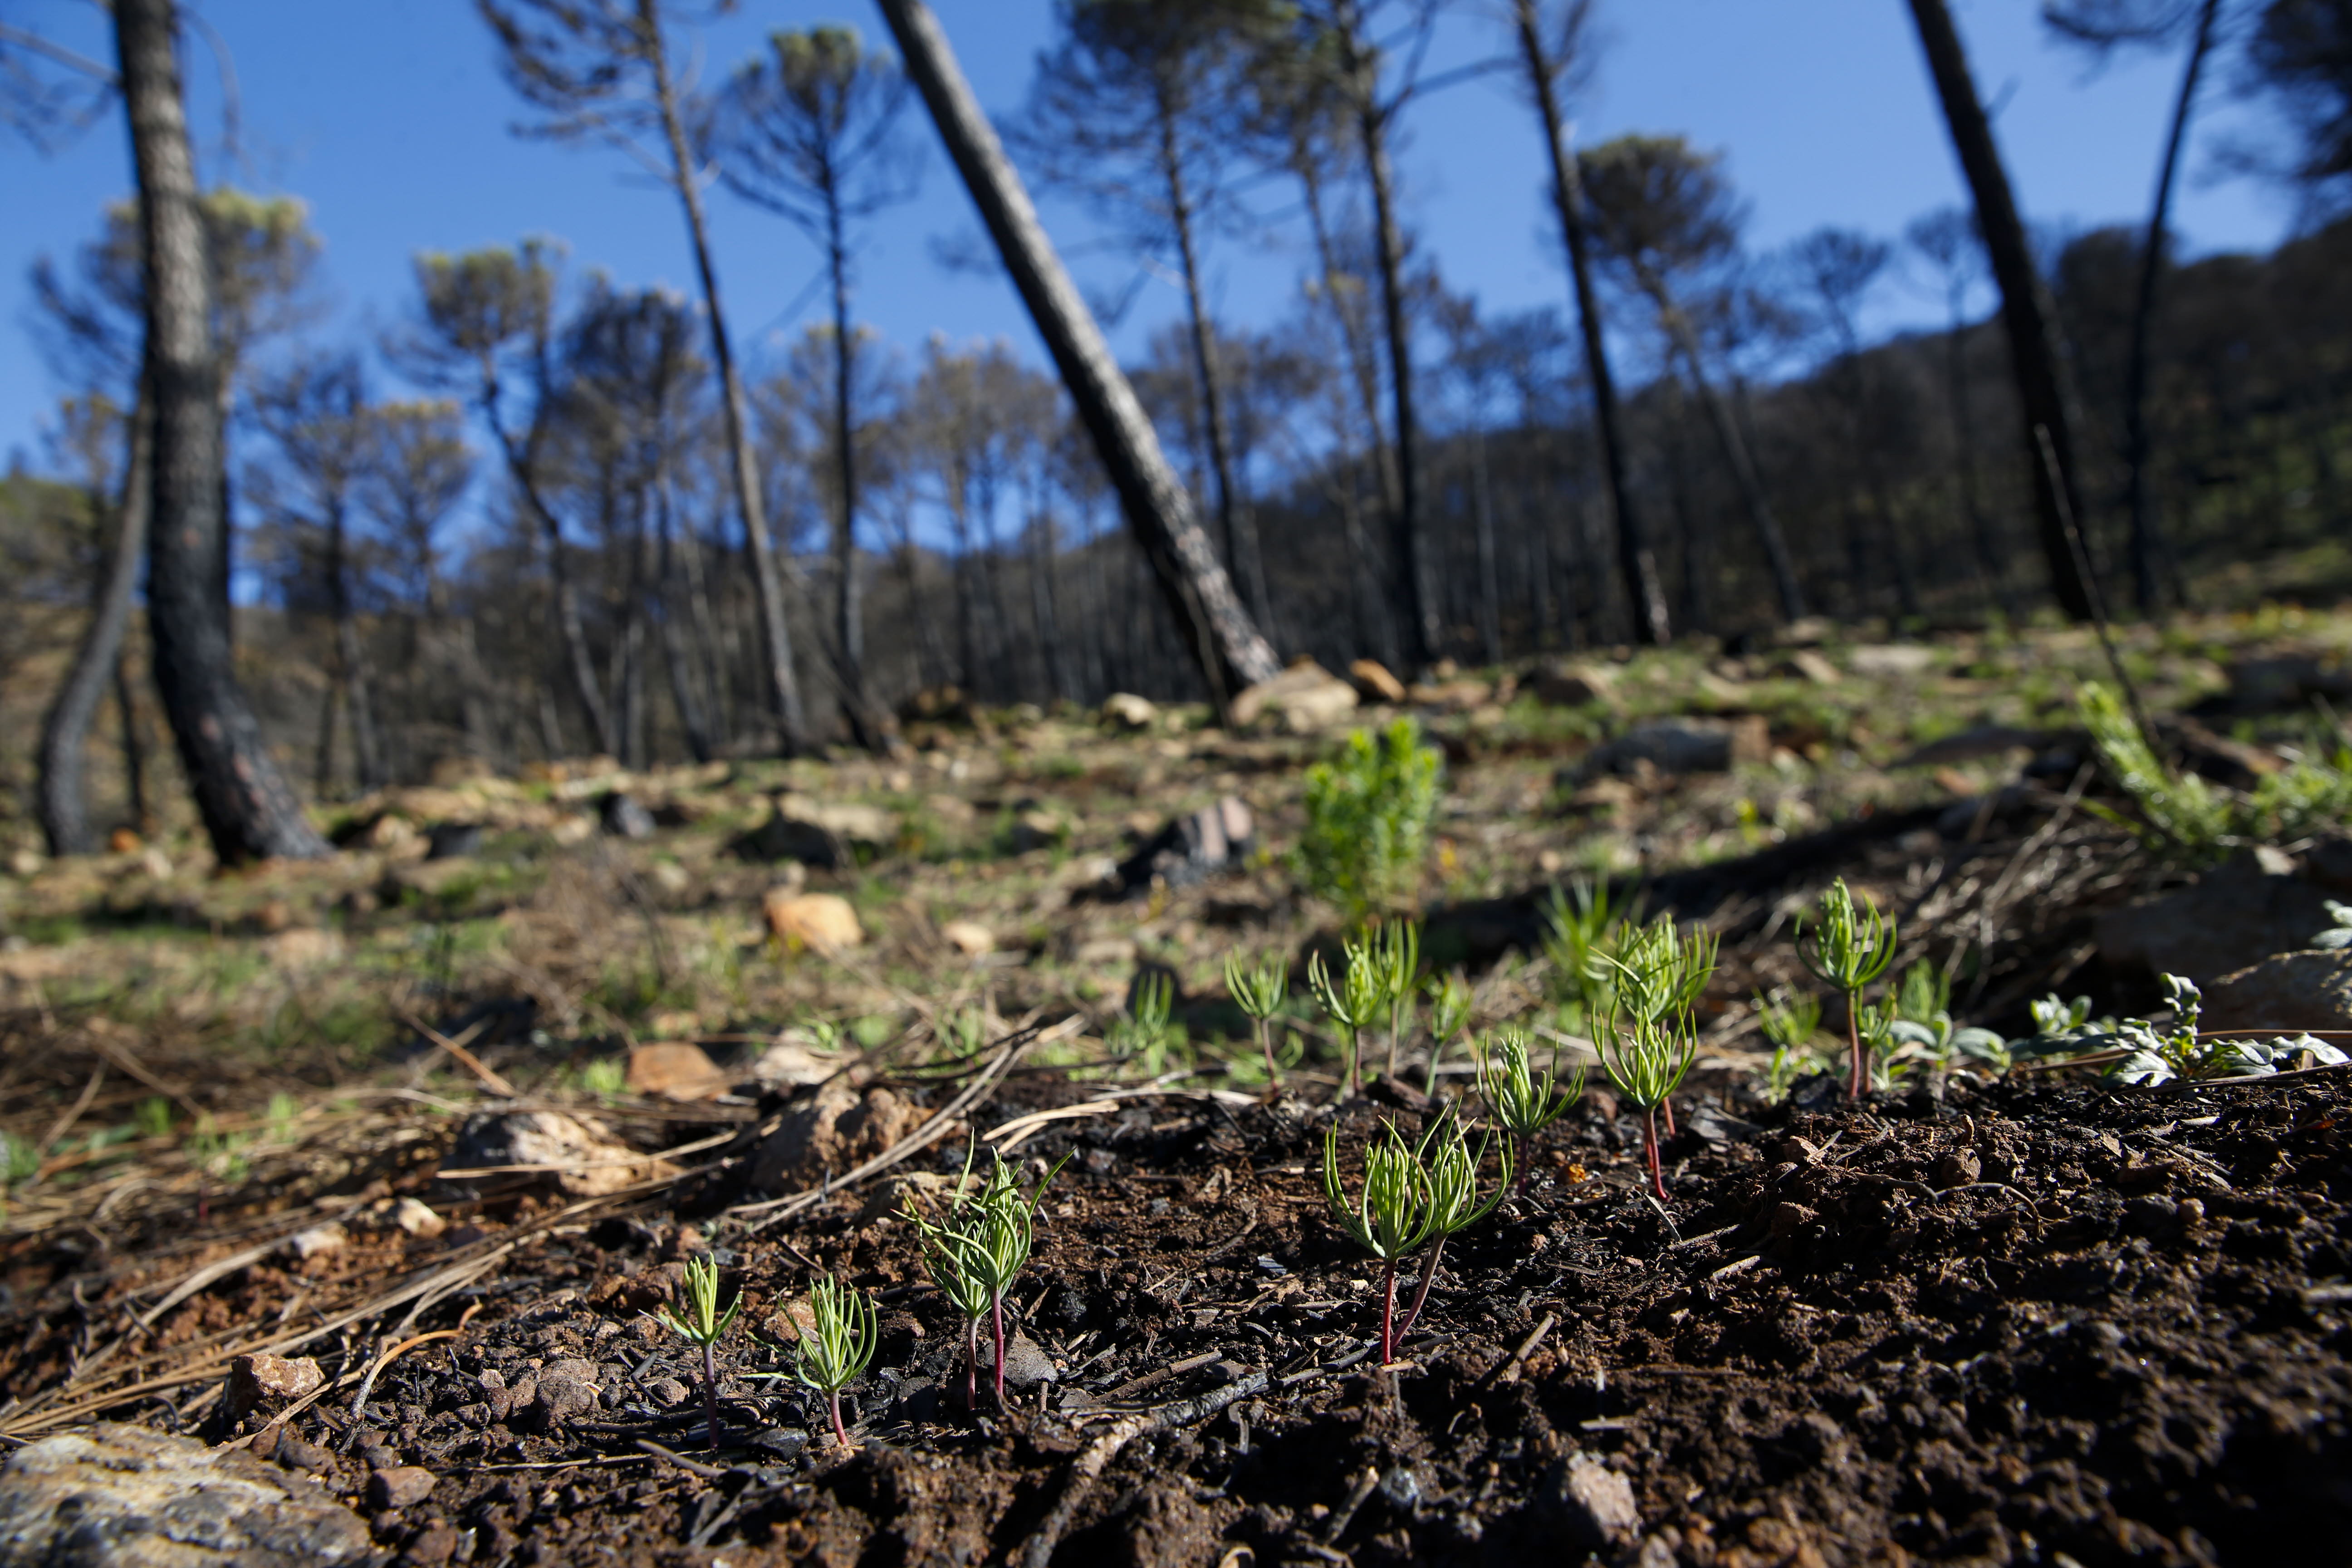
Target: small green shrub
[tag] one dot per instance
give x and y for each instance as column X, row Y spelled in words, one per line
column 2194, row 821
column 1367, row 815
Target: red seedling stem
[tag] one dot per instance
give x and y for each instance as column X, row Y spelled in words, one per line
column 1650, row 1149
column 710, row 1389
column 1859, row 1082
column 996, row 1316
column 840, row 1433
column 1667, row 1106
column 1421, row 1294
column 1387, row 1313
column 972, row 1363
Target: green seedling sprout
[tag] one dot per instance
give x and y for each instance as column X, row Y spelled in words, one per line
column 1578, row 926
column 836, row 1351
column 1851, row 947
column 1260, row 993
column 1144, row 1033
column 1518, row 1102
column 1449, row 1013
column 1394, row 1215
column 1397, row 946
column 1452, row 1171
column 1352, row 1004
column 695, row 1318
column 978, row 1251
column 1661, row 975
column 1790, row 1024
column 1646, row 1061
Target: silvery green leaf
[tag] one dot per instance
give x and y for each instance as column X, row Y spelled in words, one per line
column 2334, row 937
column 1979, row 1042
column 1904, row 1031
column 2322, row 1054
column 2142, row 1068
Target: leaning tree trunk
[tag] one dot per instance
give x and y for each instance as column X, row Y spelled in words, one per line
column 1223, row 641
column 1736, row 451
column 2146, row 530
column 1635, row 557
column 782, row 679
column 65, row 731
column 2025, row 307
column 848, row 611
column 246, row 806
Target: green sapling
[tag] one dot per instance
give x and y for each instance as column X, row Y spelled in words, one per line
column 695, row 1317
column 1852, row 945
column 839, row 1347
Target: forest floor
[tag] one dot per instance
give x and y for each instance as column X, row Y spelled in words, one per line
column 2032, row 1318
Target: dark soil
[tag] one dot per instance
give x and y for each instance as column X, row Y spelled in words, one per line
column 2008, row 1323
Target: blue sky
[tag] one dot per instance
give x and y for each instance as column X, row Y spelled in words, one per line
column 387, row 117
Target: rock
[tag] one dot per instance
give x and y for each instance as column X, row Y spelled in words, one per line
column 305, row 948
column 1126, row 710
column 450, row 840
column 267, row 1383
column 417, row 1220
column 624, row 816
column 669, row 877
column 1683, row 746
column 1306, row 696
column 563, row 1390
column 573, row 827
column 318, row 1239
column 1569, row 684
column 1373, row 683
column 970, row 938
column 1983, row 740
column 821, row 921
column 114, row 1495
column 1590, row 1502
column 1452, row 696
column 676, row 1070
column 1026, row 1365
column 871, row 826
column 586, row 1161
column 402, row 1486
column 668, row 1392
column 1810, row 664
column 789, row 1063
column 2287, row 680
column 1190, row 848
column 2289, row 992
column 786, row 837
column 124, row 841
column 832, row 1130
column 2233, row 917
column 1891, row 660
column 1103, row 951
column 431, row 1547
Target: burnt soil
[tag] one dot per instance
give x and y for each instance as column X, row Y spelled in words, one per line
column 1983, row 1322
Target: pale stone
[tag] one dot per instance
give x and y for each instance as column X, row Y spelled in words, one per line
column 268, row 1382
column 1374, row 682
column 970, row 938
column 1128, row 711
column 824, row 922
column 675, row 1069
column 1567, row 684
column 417, row 1219
column 129, row 1498
column 1895, row 659
column 319, row 1238
column 1307, row 696
column 789, row 1063
column 576, row 1154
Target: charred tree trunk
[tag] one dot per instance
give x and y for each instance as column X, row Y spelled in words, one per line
column 1637, row 560
column 65, row 730
column 848, row 610
column 2025, row 306
column 247, row 807
column 2147, row 546
column 780, row 676
column 1224, row 642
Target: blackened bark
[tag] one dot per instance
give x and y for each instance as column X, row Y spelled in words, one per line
column 2025, row 307
column 1637, row 561
column 65, row 730
column 849, row 619
column 2147, row 545
column 1224, row 643
column 351, row 664
column 246, row 806
column 781, row 678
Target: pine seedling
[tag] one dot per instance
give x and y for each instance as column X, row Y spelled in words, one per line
column 1394, row 1215
column 1452, row 1171
column 1518, row 1102
column 1850, row 946
column 1353, row 1004
column 1646, row 1062
column 1449, row 1013
column 1660, row 975
column 1260, row 993
column 1790, row 1024
column 1398, row 947
column 1144, row 1033
column 695, row 1318
column 1367, row 815
column 978, row 1251
column 837, row 1348
column 1579, row 927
